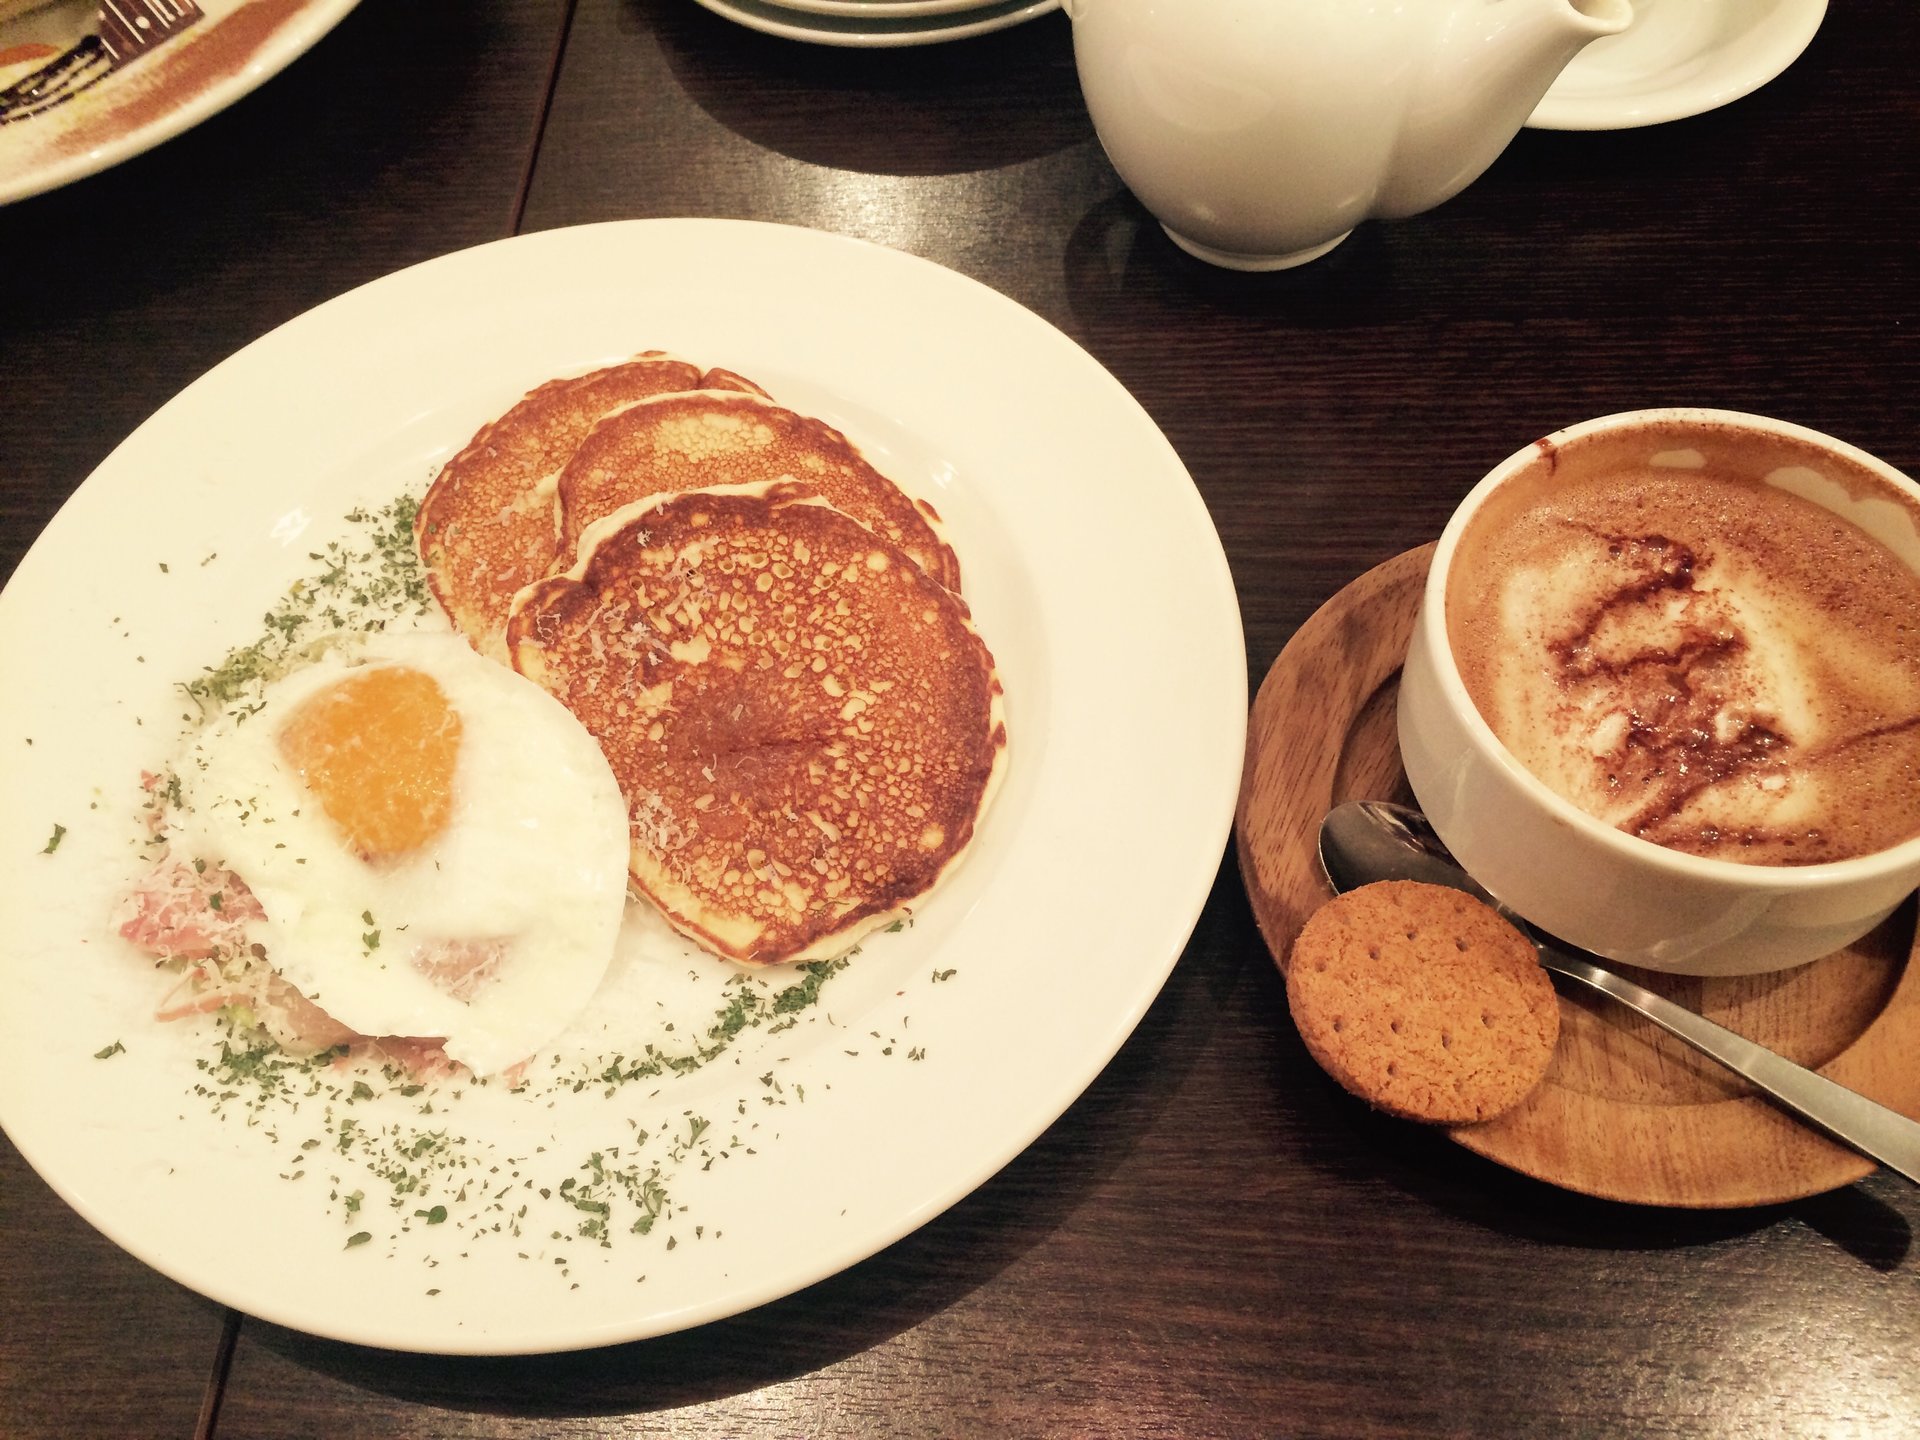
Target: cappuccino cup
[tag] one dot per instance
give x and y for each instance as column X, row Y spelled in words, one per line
column 1662, row 696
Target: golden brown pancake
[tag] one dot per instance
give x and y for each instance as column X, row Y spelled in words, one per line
column 718, row 379
column 805, row 725
column 488, row 524
column 705, row 439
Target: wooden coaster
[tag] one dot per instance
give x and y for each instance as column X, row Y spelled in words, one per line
column 1625, row 1112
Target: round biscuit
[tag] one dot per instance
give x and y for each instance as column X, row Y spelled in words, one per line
column 1423, row 1001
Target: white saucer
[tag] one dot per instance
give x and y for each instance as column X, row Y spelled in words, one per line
column 882, row 30
column 1678, row 58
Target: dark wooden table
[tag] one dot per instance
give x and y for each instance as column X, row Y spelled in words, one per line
column 1213, row 1240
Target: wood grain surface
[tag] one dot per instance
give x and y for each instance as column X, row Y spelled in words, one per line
column 1215, row 1240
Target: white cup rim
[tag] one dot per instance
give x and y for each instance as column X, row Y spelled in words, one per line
column 1433, row 620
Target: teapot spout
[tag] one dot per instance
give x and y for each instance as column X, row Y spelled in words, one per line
column 1491, row 63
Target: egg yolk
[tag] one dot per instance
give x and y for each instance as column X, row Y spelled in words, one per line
column 378, row 749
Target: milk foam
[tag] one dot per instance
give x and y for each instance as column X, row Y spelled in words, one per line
column 1650, row 689
column 1696, row 658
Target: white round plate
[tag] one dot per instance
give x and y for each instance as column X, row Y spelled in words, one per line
column 235, row 47
column 1093, row 570
column 871, row 10
column 1678, row 58
column 878, row 31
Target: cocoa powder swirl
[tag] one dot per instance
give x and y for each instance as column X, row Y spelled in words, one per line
column 1675, row 702
column 1709, row 663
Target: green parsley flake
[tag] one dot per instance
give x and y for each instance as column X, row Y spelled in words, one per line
column 481, row 1192
column 59, row 834
column 361, row 588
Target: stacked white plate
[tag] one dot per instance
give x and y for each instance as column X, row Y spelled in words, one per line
column 879, row 23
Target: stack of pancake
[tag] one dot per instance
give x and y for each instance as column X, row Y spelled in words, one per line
column 763, row 632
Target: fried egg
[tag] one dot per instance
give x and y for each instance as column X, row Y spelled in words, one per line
column 439, row 848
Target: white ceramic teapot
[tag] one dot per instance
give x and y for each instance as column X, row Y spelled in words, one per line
column 1260, row 132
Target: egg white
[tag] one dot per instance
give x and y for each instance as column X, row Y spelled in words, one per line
column 534, row 855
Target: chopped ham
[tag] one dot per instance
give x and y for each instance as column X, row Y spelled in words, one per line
column 420, row 1057
column 184, row 911
column 197, row 913
column 189, row 997
column 297, row 1021
column 459, row 967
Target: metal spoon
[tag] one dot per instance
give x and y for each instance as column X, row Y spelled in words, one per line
column 1367, row 840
